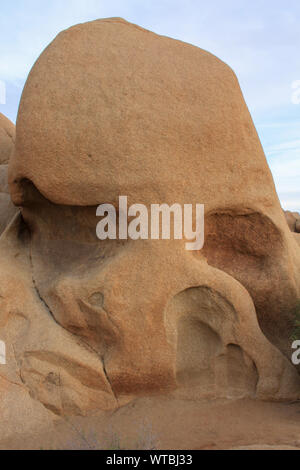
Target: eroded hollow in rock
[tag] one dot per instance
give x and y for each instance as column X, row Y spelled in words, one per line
column 250, row 247
column 65, row 255
column 200, row 323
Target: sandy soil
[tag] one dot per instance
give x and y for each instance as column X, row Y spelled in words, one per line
column 172, row 423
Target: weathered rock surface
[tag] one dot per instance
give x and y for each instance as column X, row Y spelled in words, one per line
column 7, row 139
column 293, row 220
column 110, row 109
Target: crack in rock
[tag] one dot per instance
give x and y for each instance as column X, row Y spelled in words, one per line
column 83, row 343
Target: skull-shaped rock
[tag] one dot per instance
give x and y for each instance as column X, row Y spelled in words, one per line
column 111, row 109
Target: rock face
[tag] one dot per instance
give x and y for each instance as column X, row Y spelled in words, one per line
column 7, row 141
column 293, row 221
column 111, row 109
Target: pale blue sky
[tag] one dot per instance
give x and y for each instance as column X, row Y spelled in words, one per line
column 259, row 39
